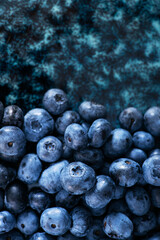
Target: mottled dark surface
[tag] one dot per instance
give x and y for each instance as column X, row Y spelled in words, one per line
column 102, row 50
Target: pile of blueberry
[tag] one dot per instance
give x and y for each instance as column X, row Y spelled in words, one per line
column 68, row 175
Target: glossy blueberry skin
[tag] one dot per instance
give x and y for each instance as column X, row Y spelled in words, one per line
column 16, row 195
column 155, row 194
column 151, row 171
column 91, row 111
column 55, row 101
column 13, row 116
column 144, row 224
column 102, row 193
column 41, row 236
column 118, row 143
column 68, row 236
column 7, row 175
column 65, row 120
column 29, row 168
column 143, row 140
column 50, row 178
column 125, row 172
column 96, row 231
column 75, row 136
column 49, row 149
column 131, row 119
column 90, row 156
column 138, row 200
column 81, row 221
column 55, row 221
column 37, row 124
column 117, row 226
column 12, row 235
column 28, row 222
column 39, row 200
column 12, row 143
column 7, row 222
column 98, row 132
column 152, row 121
column 1, row 110
column 66, row 200
column 154, row 152
column 119, row 192
column 77, row 178
column 136, row 154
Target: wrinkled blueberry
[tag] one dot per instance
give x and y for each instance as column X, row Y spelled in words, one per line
column 13, row 116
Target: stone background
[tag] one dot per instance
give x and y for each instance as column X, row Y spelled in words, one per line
column 102, row 50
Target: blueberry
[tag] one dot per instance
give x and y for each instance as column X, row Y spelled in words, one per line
column 155, row 193
column 98, row 132
column 16, row 196
column 136, row 154
column 75, row 136
column 102, row 193
column 1, row 111
column 41, row 236
column 29, row 168
column 152, row 121
column 81, row 221
column 154, row 152
column 151, row 170
column 91, row 111
column 119, row 192
column 77, row 178
column 7, row 222
column 7, row 175
column 28, row 222
column 118, row 226
column 138, row 201
column 12, row 235
column 55, row 101
column 118, row 143
column 125, row 172
column 49, row 149
column 13, row 116
column 37, row 124
column 66, row 200
column 12, row 143
column 96, row 231
column 55, row 221
column 50, row 178
column 91, row 156
column 144, row 224
column 143, row 140
column 131, row 119
column 39, row 200
column 65, row 120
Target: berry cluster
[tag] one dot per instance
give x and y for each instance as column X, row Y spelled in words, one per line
column 68, row 175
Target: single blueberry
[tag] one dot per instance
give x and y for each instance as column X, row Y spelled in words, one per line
column 12, row 235
column 39, row 200
column 75, row 136
column 37, row 124
column 12, row 143
column 98, row 132
column 125, row 172
column 49, row 149
column 91, row 156
column 7, row 222
column 77, row 178
column 13, row 116
column 151, row 170
column 65, row 120
column 7, row 175
column 29, row 168
column 154, row 152
column 136, row 154
column 55, row 221
column 143, row 140
column 28, row 222
column 117, row 226
column 118, row 143
column 41, row 236
column 155, row 194
column 1, row 111
column 66, row 200
column 81, row 221
column 96, row 231
column 55, row 101
column 102, row 193
column 16, row 195
column 50, row 178
column 138, row 201
column 152, row 121
column 91, row 111
column 131, row 119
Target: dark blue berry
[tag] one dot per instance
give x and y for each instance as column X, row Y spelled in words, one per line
column 7, row 222
column 143, row 140
column 66, row 200
column 13, row 116
column 136, row 154
column 41, row 236
column 7, row 175
column 152, row 121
